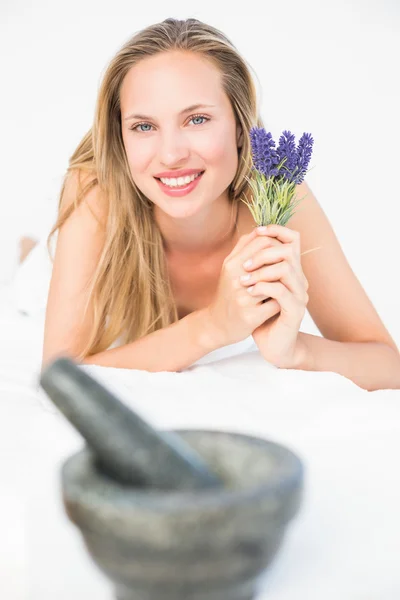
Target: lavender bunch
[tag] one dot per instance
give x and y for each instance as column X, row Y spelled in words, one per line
column 275, row 174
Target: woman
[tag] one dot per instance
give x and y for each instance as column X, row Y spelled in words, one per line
column 157, row 271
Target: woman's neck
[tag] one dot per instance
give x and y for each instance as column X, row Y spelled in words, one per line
column 203, row 237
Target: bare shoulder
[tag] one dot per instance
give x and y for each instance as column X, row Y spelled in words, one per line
column 79, row 245
column 338, row 304
column 94, row 201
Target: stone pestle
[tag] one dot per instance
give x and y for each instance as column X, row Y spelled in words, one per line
column 127, row 448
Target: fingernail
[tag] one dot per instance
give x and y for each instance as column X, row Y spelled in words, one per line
column 245, row 277
column 248, row 263
column 262, row 228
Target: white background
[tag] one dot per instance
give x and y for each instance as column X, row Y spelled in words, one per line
column 330, row 69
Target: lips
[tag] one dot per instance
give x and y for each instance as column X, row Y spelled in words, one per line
column 178, row 191
column 159, row 178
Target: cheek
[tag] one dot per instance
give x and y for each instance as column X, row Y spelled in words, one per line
column 218, row 147
column 220, row 153
column 138, row 156
column 225, row 160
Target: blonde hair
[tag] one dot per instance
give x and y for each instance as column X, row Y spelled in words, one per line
column 129, row 291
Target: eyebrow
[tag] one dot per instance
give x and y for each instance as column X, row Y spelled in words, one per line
column 182, row 112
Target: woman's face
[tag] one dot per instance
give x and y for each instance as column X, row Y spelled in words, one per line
column 206, row 138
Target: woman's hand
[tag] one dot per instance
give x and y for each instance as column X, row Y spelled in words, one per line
column 276, row 273
column 233, row 313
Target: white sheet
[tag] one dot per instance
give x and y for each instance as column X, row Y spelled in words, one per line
column 345, row 542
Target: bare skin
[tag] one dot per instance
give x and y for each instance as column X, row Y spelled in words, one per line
column 197, row 228
column 26, row 245
column 197, row 225
column 194, row 283
column 201, row 228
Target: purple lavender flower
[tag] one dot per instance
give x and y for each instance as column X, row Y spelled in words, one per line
column 287, row 149
column 276, row 173
column 286, row 161
column 304, row 150
column 265, row 158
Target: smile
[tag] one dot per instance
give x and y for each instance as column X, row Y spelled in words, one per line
column 180, row 190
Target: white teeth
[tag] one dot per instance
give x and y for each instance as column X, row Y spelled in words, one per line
column 175, row 182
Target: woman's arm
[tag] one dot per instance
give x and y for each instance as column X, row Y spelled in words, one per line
column 371, row 365
column 172, row 348
column 338, row 304
column 356, row 343
column 79, row 244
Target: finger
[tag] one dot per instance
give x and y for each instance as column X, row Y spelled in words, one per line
column 281, row 271
column 293, row 283
column 271, row 289
column 274, row 254
column 291, row 308
column 256, row 245
column 270, row 307
column 243, row 240
column 284, row 234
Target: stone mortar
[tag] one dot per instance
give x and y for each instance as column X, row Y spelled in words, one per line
column 189, row 545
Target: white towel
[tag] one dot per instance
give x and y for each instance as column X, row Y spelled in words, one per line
column 345, row 542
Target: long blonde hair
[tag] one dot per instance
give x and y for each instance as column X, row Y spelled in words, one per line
column 129, row 291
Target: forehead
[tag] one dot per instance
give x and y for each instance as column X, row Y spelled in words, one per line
column 171, row 81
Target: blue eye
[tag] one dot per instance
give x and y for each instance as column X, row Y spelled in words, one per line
column 135, row 127
column 139, row 125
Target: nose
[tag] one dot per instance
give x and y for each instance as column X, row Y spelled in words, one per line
column 174, row 148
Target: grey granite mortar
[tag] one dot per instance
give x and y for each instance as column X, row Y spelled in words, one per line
column 211, row 544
